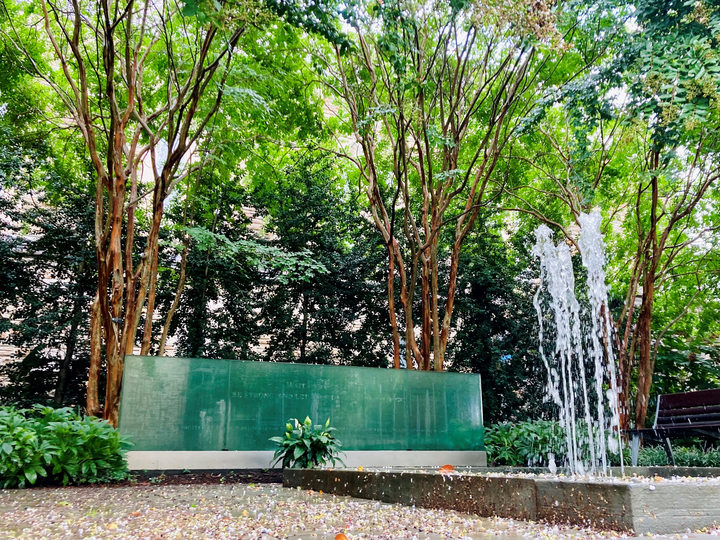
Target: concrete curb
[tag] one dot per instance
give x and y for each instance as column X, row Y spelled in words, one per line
column 666, row 507
column 647, row 472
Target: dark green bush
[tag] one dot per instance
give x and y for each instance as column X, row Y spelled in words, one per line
column 305, row 445
column 525, row 443
column 650, row 456
column 529, row 444
column 59, row 446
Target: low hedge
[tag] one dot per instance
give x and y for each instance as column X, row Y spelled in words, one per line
column 525, row 444
column 650, row 456
column 58, row 446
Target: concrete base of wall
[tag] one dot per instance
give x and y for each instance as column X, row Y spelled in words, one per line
column 193, row 461
column 178, row 461
column 624, row 505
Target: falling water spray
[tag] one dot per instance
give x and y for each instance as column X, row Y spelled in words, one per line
column 588, row 413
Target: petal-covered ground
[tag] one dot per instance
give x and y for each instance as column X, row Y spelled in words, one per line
column 243, row 512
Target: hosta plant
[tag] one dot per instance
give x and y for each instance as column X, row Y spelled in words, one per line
column 58, row 446
column 305, row 445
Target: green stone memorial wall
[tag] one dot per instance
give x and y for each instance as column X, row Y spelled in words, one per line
column 202, row 404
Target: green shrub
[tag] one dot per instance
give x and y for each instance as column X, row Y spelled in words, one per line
column 655, row 456
column 537, row 440
column 525, row 443
column 530, row 443
column 304, row 446
column 501, row 444
column 60, row 446
column 648, row 456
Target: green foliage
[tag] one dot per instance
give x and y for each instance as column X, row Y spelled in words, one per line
column 655, row 456
column 315, row 286
column 524, row 443
column 291, row 266
column 47, row 273
column 319, row 17
column 60, row 446
column 498, row 335
column 215, row 316
column 339, row 316
column 305, row 445
column 674, row 69
column 684, row 367
column 529, row 444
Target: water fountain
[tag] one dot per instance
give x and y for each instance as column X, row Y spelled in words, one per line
column 581, row 369
column 582, row 385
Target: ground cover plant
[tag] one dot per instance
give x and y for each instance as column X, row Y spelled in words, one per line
column 58, row 446
column 685, row 456
column 529, row 444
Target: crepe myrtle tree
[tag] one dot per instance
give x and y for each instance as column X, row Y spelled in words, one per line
column 432, row 93
column 140, row 81
column 638, row 137
column 673, row 74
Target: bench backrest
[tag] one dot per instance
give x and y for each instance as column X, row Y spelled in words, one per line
column 696, row 409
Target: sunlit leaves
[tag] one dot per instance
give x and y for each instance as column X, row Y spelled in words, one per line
column 675, row 68
column 291, row 266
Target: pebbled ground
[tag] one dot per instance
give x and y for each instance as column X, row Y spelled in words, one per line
column 245, row 511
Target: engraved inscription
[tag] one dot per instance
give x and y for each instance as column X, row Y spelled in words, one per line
column 201, row 404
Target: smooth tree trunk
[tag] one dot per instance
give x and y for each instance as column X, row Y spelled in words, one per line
column 150, row 312
column 425, row 305
column 643, row 330
column 93, row 406
column 391, row 309
column 652, row 250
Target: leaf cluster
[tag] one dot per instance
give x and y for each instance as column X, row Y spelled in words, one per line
column 48, row 268
column 319, row 17
column 60, row 446
column 497, row 324
column 306, row 208
column 673, row 69
column 291, row 266
column 305, row 445
column 655, row 456
column 524, row 443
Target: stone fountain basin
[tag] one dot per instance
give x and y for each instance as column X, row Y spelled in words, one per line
column 643, row 505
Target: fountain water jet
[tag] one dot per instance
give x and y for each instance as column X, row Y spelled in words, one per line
column 589, row 432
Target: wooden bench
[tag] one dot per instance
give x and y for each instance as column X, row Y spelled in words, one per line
column 681, row 415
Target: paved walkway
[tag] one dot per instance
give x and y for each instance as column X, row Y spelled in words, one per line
column 241, row 511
